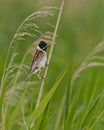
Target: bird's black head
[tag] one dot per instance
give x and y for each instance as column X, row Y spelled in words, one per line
column 43, row 45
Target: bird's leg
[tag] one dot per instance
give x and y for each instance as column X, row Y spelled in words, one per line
column 39, row 76
column 46, row 64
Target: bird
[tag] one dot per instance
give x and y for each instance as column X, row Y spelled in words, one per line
column 39, row 60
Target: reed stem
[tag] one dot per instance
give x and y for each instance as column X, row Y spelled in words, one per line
column 50, row 54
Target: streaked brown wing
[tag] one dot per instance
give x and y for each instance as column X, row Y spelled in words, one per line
column 36, row 59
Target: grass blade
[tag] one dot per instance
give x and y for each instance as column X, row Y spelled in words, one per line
column 85, row 120
column 36, row 113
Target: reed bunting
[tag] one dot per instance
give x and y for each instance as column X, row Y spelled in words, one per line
column 40, row 59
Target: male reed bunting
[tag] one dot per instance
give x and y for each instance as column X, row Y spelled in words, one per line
column 40, row 59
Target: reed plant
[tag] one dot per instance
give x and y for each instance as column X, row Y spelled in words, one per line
column 71, row 99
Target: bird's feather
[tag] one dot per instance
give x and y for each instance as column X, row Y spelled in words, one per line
column 38, row 61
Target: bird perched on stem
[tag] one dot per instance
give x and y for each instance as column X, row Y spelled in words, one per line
column 40, row 59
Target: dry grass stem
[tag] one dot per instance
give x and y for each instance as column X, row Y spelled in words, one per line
column 50, row 53
column 94, row 59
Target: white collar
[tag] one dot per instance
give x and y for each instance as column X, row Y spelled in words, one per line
column 40, row 49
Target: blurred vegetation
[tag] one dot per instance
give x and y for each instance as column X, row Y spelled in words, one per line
column 81, row 25
column 80, row 30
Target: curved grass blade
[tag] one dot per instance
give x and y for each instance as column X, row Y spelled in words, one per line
column 36, row 113
column 86, row 118
column 94, row 59
column 72, row 108
column 97, row 119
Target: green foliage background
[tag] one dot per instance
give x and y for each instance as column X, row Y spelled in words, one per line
column 80, row 30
